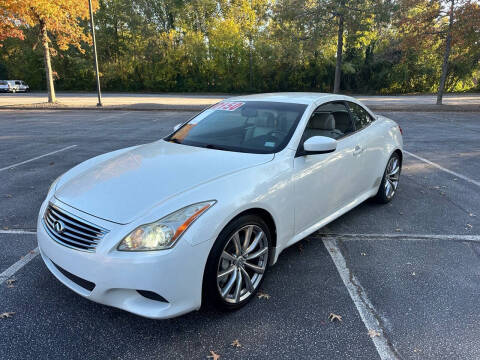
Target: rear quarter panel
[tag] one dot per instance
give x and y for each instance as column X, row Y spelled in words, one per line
column 389, row 137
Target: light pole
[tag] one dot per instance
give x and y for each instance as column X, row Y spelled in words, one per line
column 95, row 60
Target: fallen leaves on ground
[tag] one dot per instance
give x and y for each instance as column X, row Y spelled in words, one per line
column 363, row 254
column 372, row 333
column 334, row 317
column 469, row 226
column 6, row 315
column 213, row 355
column 8, row 195
column 398, row 229
column 10, row 283
column 263, row 295
column 413, row 273
column 236, row 343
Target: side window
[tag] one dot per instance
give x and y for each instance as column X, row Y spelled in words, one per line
column 361, row 117
column 332, row 120
column 17, row 83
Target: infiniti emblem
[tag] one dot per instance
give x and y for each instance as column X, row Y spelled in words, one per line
column 59, row 226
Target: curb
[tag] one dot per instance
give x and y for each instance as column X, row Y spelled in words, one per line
column 383, row 108
column 109, row 108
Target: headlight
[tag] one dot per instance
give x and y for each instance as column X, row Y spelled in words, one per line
column 164, row 233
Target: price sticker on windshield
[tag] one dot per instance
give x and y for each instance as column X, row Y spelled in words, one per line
column 227, row 105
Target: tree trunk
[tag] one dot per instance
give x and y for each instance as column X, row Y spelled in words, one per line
column 446, row 55
column 338, row 65
column 250, row 63
column 48, row 64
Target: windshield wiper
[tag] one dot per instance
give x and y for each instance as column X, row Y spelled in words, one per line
column 215, row 147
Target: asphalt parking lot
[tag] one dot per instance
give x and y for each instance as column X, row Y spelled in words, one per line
column 405, row 277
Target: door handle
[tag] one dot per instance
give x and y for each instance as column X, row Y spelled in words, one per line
column 358, row 150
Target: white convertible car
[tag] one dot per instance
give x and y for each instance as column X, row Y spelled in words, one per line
column 198, row 216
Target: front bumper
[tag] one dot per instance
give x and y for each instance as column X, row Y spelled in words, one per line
column 175, row 274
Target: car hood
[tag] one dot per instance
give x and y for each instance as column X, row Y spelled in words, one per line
column 123, row 185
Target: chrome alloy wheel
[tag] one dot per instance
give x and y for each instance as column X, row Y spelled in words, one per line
column 392, row 175
column 242, row 264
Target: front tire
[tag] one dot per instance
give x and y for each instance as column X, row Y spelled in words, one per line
column 237, row 263
column 391, row 176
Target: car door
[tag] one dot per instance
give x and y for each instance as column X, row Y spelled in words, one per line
column 369, row 146
column 324, row 183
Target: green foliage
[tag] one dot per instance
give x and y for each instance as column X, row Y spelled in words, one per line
column 256, row 46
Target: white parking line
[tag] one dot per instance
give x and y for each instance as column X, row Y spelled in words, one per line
column 24, row 232
column 362, row 303
column 18, row 265
column 112, row 116
column 466, row 178
column 414, row 237
column 38, row 157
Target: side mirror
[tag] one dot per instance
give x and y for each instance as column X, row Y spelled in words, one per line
column 176, row 127
column 319, row 145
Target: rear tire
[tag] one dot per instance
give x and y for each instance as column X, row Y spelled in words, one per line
column 236, row 265
column 391, row 176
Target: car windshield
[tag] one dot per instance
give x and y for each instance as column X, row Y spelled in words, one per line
column 260, row 127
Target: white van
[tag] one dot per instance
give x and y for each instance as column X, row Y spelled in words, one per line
column 13, row 86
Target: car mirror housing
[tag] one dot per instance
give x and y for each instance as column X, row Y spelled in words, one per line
column 319, row 145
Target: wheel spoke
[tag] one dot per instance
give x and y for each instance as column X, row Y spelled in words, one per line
column 257, row 253
column 389, row 166
column 255, row 268
column 229, row 285
column 248, row 235
column 394, row 183
column 394, row 164
column 236, row 242
column 224, row 273
column 254, row 244
column 388, row 188
column 394, row 171
column 227, row 256
column 247, row 279
column 238, row 287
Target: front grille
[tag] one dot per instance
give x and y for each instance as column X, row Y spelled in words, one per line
column 71, row 231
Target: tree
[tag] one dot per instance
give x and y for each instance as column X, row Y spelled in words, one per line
column 8, row 27
column 58, row 23
column 354, row 17
column 377, row 46
column 443, row 27
column 446, row 54
column 330, row 21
